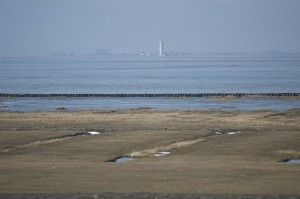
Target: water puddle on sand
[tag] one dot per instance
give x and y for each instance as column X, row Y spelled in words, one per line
column 121, row 159
column 294, row 161
column 291, row 161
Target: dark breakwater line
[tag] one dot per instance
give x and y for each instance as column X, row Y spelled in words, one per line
column 150, row 95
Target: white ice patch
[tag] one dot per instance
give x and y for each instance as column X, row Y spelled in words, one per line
column 218, row 133
column 94, row 133
column 233, row 133
column 163, row 153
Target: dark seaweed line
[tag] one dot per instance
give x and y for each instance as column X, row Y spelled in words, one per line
column 149, row 95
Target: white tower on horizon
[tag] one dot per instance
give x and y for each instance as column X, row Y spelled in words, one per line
column 161, row 48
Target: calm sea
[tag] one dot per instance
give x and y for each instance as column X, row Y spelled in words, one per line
column 123, row 74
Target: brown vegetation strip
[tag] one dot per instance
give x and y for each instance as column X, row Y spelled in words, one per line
column 47, row 141
column 176, row 145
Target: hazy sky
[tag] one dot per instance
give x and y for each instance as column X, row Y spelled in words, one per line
column 41, row 27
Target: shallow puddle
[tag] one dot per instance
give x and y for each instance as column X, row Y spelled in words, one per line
column 294, row 161
column 121, row 159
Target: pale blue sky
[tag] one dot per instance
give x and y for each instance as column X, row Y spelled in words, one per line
column 41, row 27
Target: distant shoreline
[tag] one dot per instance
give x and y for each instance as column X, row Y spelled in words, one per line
column 147, row 95
column 26, row 102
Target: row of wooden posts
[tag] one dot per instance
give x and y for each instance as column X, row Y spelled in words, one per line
column 146, row 95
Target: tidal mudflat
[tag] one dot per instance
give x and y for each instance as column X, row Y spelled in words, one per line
column 199, row 152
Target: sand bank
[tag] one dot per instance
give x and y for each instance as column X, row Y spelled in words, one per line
column 39, row 157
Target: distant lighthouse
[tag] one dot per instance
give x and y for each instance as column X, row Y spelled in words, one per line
column 161, row 48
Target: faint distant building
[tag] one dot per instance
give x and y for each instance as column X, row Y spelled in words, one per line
column 161, row 48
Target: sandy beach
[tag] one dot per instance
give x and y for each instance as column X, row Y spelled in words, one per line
column 211, row 152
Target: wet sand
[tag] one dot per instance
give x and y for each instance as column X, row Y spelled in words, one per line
column 213, row 152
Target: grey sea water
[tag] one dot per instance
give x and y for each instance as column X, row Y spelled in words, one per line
column 205, row 103
column 233, row 73
column 205, row 74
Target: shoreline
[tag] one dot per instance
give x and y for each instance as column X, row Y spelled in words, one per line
column 159, row 103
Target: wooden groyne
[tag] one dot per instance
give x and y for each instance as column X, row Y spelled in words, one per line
column 150, row 95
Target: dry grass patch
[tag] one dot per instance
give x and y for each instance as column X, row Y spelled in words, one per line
column 153, row 151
